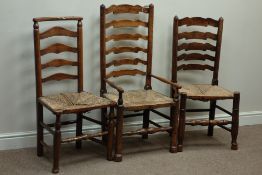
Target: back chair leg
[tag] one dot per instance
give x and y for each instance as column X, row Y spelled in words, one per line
column 119, row 131
column 235, row 121
column 182, row 120
column 211, row 117
column 174, row 125
column 110, row 134
column 57, row 144
column 145, row 122
column 104, row 124
column 79, row 124
column 40, row 135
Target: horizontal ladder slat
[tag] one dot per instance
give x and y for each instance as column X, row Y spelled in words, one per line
column 59, row 76
column 195, row 67
column 83, row 137
column 120, row 37
column 125, row 72
column 59, row 63
column 195, row 56
column 197, row 35
column 124, row 61
column 147, row 130
column 57, row 48
column 117, row 50
column 198, row 21
column 125, row 8
column 207, row 122
column 196, row 46
column 65, row 18
column 125, row 23
column 57, row 31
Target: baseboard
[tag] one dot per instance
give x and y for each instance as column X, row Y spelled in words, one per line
column 17, row 140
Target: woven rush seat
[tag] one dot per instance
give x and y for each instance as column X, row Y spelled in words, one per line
column 66, row 102
column 205, row 91
column 140, row 99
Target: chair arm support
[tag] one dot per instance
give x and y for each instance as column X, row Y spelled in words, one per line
column 119, row 89
column 175, row 85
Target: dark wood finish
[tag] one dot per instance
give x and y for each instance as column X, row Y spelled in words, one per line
column 108, row 126
column 187, row 43
column 106, row 73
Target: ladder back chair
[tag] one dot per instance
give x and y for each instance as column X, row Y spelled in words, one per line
column 144, row 100
column 194, row 50
column 77, row 102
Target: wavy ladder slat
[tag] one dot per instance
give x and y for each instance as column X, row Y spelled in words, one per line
column 125, row 72
column 195, row 56
column 59, row 76
column 126, row 37
column 125, row 8
column 117, row 50
column 124, row 61
column 197, row 35
column 196, row 46
column 126, row 23
column 198, row 21
column 57, row 31
column 57, row 48
column 59, row 63
column 195, row 67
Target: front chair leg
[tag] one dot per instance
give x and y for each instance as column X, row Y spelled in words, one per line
column 79, row 124
column 145, row 122
column 211, row 117
column 182, row 120
column 40, row 135
column 235, row 121
column 119, row 132
column 56, row 144
column 174, row 125
column 110, row 134
column 104, row 124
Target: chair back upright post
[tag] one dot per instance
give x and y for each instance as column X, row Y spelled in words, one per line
column 57, row 48
column 192, row 46
column 124, row 23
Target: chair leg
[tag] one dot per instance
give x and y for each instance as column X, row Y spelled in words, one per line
column 182, row 119
column 110, row 134
column 174, row 125
column 235, row 121
column 119, row 131
column 104, row 124
column 211, row 117
column 79, row 124
column 40, row 135
column 145, row 122
column 57, row 144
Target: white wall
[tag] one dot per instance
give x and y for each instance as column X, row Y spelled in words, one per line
column 240, row 67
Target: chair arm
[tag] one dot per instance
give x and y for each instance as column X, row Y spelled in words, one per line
column 177, row 86
column 110, row 83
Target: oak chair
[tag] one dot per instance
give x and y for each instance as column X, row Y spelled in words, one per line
column 145, row 100
column 77, row 102
column 193, row 50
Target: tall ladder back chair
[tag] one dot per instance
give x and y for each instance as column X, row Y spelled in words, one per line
column 144, row 100
column 77, row 102
column 196, row 46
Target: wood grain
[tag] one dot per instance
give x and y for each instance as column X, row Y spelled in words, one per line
column 58, row 77
column 195, row 56
column 126, row 37
column 126, row 23
column 197, row 35
column 196, row 46
column 57, row 31
column 199, row 21
column 57, row 48
column 125, row 72
column 126, row 8
column 124, row 61
column 59, row 63
column 117, row 50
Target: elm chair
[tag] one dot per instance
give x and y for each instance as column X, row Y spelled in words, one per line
column 193, row 50
column 144, row 100
column 77, row 102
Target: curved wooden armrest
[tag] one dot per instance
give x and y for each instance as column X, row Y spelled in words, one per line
column 177, row 86
column 110, row 83
column 64, row 18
